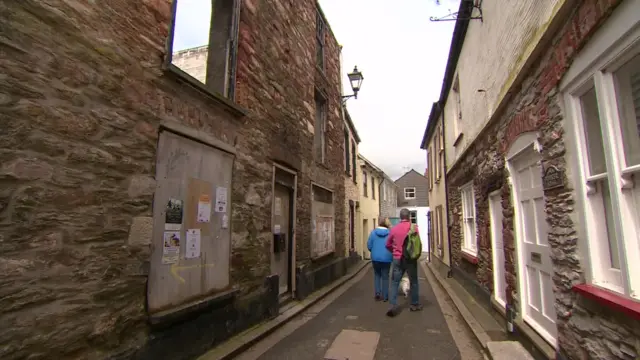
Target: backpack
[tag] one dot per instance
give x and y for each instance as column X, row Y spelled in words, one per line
column 412, row 248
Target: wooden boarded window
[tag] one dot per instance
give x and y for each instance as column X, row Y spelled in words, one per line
column 192, row 193
column 323, row 240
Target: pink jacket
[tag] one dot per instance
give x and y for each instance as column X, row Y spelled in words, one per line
column 395, row 240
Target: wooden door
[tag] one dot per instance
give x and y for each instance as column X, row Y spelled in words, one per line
column 281, row 257
column 537, row 269
column 191, row 209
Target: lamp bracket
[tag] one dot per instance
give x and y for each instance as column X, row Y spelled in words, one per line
column 454, row 16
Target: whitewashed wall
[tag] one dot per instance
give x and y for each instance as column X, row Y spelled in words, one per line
column 493, row 53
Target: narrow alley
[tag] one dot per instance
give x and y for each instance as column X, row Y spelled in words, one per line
column 349, row 324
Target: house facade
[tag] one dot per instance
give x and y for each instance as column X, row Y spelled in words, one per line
column 433, row 143
column 369, row 210
column 413, row 194
column 351, row 189
column 541, row 143
column 388, row 197
column 116, row 242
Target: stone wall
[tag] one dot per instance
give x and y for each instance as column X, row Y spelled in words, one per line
column 388, row 201
column 585, row 330
column 83, row 93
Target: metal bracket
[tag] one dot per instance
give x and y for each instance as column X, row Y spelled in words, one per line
column 454, row 16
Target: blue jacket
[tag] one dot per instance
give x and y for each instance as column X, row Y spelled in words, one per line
column 377, row 244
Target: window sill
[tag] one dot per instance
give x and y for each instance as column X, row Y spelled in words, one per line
column 457, row 140
column 469, row 257
column 409, row 198
column 609, row 299
column 228, row 105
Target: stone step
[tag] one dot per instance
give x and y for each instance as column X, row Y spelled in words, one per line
column 507, row 350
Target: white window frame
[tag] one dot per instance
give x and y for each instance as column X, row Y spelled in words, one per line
column 405, row 193
column 469, row 242
column 612, row 46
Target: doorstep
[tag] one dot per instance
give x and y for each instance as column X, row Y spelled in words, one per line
column 490, row 334
column 241, row 342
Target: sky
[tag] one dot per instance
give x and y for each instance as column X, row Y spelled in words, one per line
column 401, row 54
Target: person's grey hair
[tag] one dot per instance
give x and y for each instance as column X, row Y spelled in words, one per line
column 405, row 214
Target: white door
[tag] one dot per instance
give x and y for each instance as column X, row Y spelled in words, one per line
column 534, row 253
column 497, row 247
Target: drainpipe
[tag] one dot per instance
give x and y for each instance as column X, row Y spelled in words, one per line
column 446, row 195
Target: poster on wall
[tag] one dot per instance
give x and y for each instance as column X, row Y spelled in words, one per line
column 193, row 244
column 171, row 247
column 221, row 199
column 173, row 215
column 204, row 208
column 324, row 241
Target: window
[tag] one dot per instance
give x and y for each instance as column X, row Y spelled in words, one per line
column 430, row 166
column 323, row 239
column 440, row 236
column 347, row 158
column 364, row 183
column 409, row 193
column 320, row 128
column 438, row 153
column 457, row 117
column 353, row 162
column 413, row 216
column 373, row 188
column 203, row 44
column 468, row 219
column 320, row 34
column 603, row 103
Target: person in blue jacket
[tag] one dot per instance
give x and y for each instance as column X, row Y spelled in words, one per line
column 381, row 259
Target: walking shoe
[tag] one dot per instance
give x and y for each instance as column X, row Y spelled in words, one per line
column 378, row 297
column 416, row 307
column 393, row 311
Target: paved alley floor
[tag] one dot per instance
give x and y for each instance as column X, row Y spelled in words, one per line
column 410, row 335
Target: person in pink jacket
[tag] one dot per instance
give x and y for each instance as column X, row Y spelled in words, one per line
column 400, row 265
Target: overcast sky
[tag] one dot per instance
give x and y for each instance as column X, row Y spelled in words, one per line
column 402, row 56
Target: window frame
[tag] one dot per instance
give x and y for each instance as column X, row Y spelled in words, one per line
column 469, row 243
column 436, row 155
column 457, row 116
column 610, row 48
column 347, row 155
column 373, row 187
column 227, row 97
column 405, row 192
column 441, row 153
column 430, row 166
column 354, row 162
column 364, row 184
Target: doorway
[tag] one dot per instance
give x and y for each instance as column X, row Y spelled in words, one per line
column 497, row 247
column 534, row 255
column 365, row 237
column 283, row 244
column 352, row 226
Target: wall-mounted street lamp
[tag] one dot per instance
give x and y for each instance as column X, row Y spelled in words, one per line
column 355, row 78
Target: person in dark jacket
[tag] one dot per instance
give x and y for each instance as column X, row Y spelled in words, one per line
column 381, row 259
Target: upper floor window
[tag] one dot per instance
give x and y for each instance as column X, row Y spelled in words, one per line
column 441, row 152
column 320, row 37
column 204, row 44
column 436, row 155
column 353, row 161
column 347, row 158
column 409, row 193
column 430, row 166
column 373, row 188
column 320, row 127
column 603, row 104
column 457, row 116
column 364, row 183
column 468, row 219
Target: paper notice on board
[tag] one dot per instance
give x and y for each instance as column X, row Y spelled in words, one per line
column 173, row 215
column 171, row 247
column 221, row 199
column 193, row 244
column 204, row 209
column 276, row 229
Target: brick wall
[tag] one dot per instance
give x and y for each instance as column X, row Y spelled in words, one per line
column 83, row 94
column 585, row 330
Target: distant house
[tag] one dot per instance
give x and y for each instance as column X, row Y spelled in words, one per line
column 369, row 210
column 413, row 194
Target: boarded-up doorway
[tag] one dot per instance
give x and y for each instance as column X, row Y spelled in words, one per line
column 283, row 245
column 191, row 233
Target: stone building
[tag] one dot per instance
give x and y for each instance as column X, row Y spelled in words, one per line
column 142, row 207
column 388, row 197
column 351, row 189
column 433, row 142
column 541, row 143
